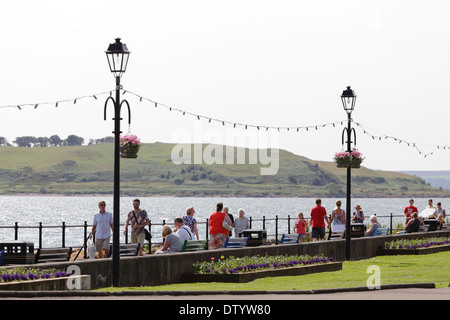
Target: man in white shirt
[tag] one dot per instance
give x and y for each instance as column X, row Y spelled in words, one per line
column 431, row 206
column 102, row 225
column 182, row 231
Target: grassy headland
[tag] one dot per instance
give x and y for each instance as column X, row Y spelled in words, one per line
column 77, row 170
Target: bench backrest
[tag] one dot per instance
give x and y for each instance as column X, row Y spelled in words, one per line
column 126, row 249
column 194, row 245
column 337, row 233
column 236, row 242
column 289, row 238
column 382, row 231
column 52, row 254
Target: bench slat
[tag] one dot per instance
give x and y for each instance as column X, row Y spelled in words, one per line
column 52, row 254
column 289, row 238
column 194, row 245
column 126, row 249
column 236, row 242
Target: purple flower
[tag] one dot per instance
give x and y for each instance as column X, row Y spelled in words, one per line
column 32, row 276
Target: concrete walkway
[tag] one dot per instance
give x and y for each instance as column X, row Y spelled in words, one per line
column 420, row 292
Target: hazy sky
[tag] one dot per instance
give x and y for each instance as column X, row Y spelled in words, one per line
column 265, row 63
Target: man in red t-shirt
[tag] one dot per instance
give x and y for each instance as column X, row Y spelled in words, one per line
column 318, row 213
column 410, row 210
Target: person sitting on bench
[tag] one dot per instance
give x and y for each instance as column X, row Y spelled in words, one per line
column 374, row 226
column 413, row 224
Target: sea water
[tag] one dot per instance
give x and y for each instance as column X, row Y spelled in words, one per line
column 52, row 211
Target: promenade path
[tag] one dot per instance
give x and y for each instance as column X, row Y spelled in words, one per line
column 422, row 294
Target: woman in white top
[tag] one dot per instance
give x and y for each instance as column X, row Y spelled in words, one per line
column 338, row 217
column 172, row 241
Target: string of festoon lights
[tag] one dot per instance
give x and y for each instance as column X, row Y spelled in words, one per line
column 402, row 141
column 233, row 124
column 290, row 128
column 58, row 102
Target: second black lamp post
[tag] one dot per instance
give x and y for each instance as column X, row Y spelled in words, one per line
column 348, row 98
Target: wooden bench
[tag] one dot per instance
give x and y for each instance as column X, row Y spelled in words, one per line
column 194, row 245
column 382, row 232
column 126, row 249
column 236, row 242
column 379, row 232
column 289, row 238
column 336, row 232
column 52, row 254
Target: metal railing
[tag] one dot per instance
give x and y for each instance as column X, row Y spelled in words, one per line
column 281, row 225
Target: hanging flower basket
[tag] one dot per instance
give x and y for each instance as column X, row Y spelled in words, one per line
column 129, row 146
column 348, row 159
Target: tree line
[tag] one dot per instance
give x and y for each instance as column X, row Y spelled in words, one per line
column 53, row 141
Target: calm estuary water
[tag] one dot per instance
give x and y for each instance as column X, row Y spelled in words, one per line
column 74, row 211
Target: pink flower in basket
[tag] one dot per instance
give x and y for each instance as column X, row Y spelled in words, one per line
column 130, row 140
column 345, row 154
column 346, row 159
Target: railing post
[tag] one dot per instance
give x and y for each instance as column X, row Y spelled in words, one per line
column 164, row 223
column 264, row 222
column 390, row 229
column 207, row 229
column 40, row 235
column 276, row 229
column 16, row 231
column 149, row 241
column 85, row 240
column 63, row 234
column 250, row 220
column 289, row 224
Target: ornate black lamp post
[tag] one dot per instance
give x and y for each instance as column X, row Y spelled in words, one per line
column 117, row 55
column 348, row 98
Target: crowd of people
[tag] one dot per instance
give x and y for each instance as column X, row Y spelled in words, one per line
column 414, row 220
column 222, row 224
column 337, row 221
column 185, row 228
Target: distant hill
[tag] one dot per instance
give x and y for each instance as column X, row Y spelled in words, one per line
column 437, row 179
column 77, row 170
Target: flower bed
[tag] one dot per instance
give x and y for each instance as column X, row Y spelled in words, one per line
column 250, row 268
column 36, row 279
column 23, row 274
column 415, row 246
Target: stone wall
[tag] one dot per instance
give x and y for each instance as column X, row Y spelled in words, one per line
column 151, row 270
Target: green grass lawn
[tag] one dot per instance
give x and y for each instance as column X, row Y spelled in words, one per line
column 432, row 268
